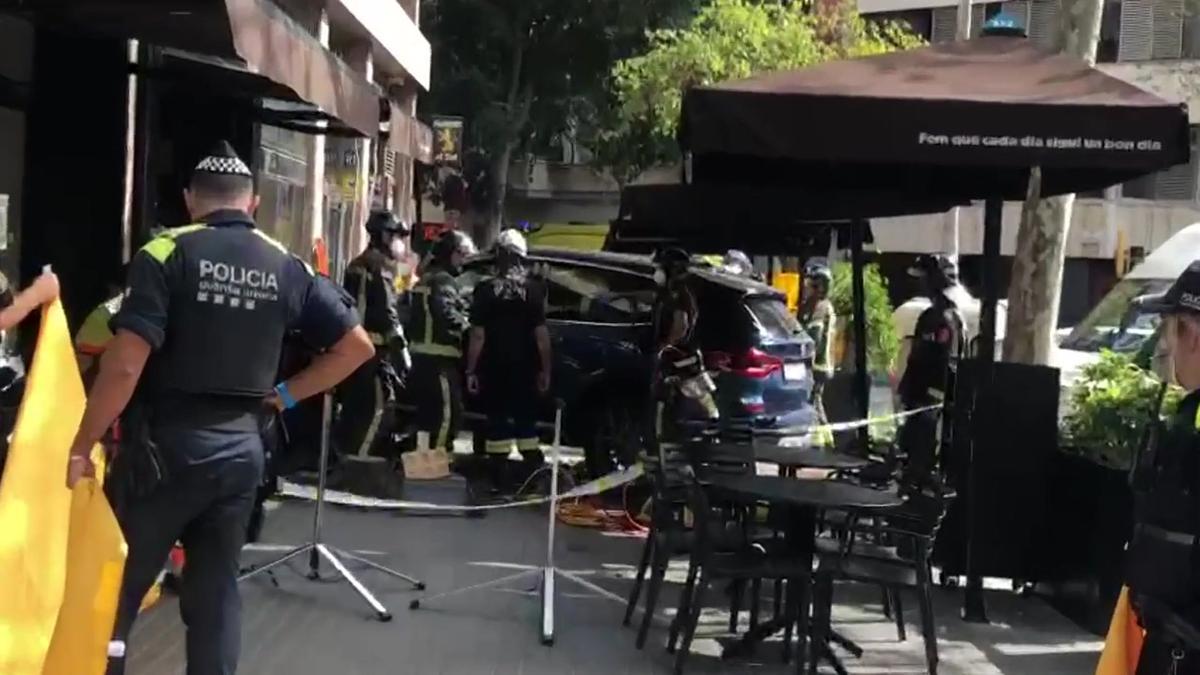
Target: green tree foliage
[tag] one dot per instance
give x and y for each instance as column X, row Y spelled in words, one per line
column 728, row 39
column 521, row 72
column 882, row 342
column 1111, row 405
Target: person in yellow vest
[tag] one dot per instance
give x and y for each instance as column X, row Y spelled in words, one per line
column 94, row 335
column 817, row 317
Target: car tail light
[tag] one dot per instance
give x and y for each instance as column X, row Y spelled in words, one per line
column 750, row 363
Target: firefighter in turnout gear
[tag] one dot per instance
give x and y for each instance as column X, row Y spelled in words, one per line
column 196, row 347
column 437, row 327
column 1163, row 563
column 508, row 358
column 817, row 317
column 938, row 342
column 682, row 388
column 367, row 422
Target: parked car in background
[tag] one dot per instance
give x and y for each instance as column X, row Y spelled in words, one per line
column 1114, row 323
column 599, row 308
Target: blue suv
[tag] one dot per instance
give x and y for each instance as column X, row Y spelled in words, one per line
column 598, row 311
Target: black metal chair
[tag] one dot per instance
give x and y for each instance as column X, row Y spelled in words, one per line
column 671, row 536
column 751, row 564
column 898, row 559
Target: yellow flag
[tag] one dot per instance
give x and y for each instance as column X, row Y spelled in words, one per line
column 95, row 563
column 1123, row 644
column 36, row 513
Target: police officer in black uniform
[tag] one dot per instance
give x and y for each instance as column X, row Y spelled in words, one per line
column 199, row 337
column 508, row 358
column 367, row 417
column 1163, row 561
column 938, row 342
column 436, row 331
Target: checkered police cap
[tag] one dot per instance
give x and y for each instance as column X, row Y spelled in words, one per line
column 223, row 161
column 1182, row 296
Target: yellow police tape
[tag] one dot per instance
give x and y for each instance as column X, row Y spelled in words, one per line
column 595, row 487
column 61, row 552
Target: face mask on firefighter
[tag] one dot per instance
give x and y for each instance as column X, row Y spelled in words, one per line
column 398, row 248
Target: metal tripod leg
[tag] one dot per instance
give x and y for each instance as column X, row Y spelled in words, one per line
column 417, row 584
column 380, row 611
column 416, row 604
column 317, row 550
column 294, row 553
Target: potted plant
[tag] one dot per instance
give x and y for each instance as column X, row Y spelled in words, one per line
column 882, row 342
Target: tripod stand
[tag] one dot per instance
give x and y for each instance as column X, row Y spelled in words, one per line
column 548, row 574
column 316, row 549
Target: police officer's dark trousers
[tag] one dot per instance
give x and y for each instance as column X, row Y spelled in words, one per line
column 511, row 401
column 918, row 439
column 437, row 389
column 206, row 504
column 367, row 418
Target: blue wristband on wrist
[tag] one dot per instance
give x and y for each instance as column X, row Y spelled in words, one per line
column 285, row 396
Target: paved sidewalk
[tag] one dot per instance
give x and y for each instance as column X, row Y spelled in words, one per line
column 314, row 628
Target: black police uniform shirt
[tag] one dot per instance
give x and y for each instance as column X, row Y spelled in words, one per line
column 1163, row 564
column 509, row 307
column 214, row 301
column 937, row 337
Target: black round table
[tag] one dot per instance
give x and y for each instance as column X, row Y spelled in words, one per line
column 802, row 498
column 815, row 494
column 787, row 457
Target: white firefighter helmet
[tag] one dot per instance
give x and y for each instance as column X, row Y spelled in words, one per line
column 512, row 240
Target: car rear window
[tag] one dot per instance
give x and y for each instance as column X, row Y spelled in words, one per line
column 773, row 317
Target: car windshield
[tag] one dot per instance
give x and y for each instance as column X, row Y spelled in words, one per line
column 1114, row 324
column 773, row 318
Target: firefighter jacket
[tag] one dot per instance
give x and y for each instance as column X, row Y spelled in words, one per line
column 440, row 315
column 371, row 280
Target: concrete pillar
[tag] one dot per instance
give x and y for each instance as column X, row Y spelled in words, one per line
column 404, row 96
column 360, row 58
column 316, row 153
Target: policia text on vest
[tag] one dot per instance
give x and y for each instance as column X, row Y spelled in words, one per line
column 199, row 336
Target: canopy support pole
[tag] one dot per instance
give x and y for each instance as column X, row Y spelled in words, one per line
column 974, row 610
column 862, row 378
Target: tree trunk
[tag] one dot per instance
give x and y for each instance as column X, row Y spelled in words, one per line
column 1035, row 290
column 493, row 218
column 517, row 104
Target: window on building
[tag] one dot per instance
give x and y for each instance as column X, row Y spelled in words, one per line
column 943, row 23
column 1177, row 183
column 1039, row 17
column 1151, row 29
column 283, row 187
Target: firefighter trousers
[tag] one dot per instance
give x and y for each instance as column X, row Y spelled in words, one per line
column 367, row 418
column 437, row 388
column 511, row 405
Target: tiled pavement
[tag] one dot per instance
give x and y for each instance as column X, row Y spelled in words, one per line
column 314, row 628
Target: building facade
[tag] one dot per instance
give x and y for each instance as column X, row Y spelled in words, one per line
column 106, row 105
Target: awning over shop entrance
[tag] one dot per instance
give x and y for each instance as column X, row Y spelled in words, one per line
column 252, row 36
